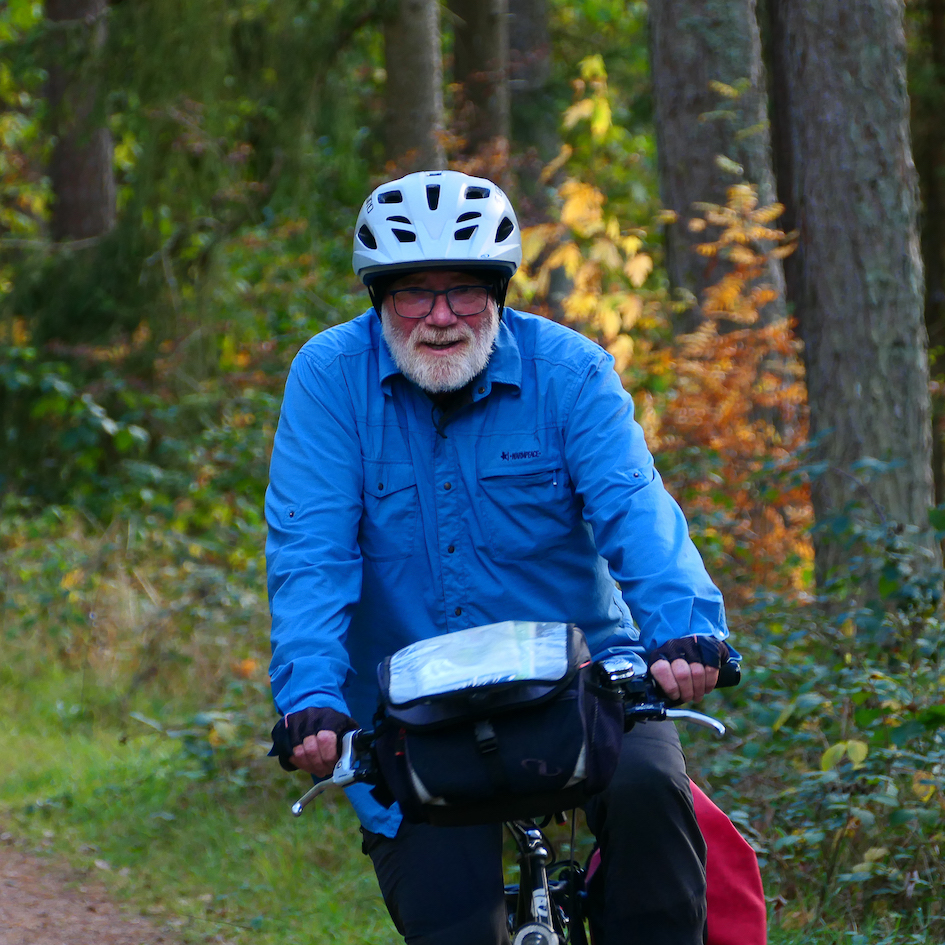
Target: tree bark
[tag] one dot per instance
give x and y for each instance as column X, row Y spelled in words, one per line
column 534, row 122
column 927, row 88
column 847, row 176
column 481, row 67
column 81, row 169
column 692, row 44
column 414, row 106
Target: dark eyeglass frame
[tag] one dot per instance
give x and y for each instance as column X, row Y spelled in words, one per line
column 434, row 293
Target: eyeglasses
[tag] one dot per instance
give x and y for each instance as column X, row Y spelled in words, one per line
column 463, row 300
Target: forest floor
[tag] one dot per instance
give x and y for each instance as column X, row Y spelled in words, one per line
column 43, row 902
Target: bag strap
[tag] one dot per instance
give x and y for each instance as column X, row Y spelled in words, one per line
column 488, row 745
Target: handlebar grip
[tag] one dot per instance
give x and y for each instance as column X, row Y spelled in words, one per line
column 730, row 674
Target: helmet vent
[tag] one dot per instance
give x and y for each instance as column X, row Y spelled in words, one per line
column 391, row 196
column 505, row 228
column 399, row 220
column 469, row 215
column 466, row 232
column 405, row 236
column 433, row 196
column 477, row 193
column 367, row 237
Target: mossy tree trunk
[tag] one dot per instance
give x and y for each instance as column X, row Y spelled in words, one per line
column 846, row 173
column 707, row 141
column 481, row 68
column 414, row 105
column 81, row 168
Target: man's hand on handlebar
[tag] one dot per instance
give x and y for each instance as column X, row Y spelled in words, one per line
column 687, row 669
column 310, row 740
column 318, row 754
column 683, row 681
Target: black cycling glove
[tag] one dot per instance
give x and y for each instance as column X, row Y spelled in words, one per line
column 705, row 650
column 291, row 730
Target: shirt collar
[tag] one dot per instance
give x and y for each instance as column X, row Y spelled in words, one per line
column 505, row 362
column 504, row 366
column 385, row 362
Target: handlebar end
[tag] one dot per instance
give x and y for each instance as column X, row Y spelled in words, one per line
column 730, row 674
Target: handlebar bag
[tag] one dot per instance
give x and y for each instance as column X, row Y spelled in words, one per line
column 495, row 723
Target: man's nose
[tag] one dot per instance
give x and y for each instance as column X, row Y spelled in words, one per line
column 441, row 315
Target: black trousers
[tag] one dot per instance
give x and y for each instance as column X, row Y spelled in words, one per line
column 444, row 886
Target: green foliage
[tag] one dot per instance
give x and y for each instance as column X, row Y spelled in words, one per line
column 836, row 773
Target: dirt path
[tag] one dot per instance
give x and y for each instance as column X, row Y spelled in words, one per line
column 42, row 903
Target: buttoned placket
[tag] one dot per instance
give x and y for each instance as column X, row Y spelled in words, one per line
column 449, row 496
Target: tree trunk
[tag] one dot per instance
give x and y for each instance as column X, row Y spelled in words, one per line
column 927, row 88
column 694, row 43
column 414, row 86
column 481, row 67
column 534, row 121
column 847, row 175
column 81, row 170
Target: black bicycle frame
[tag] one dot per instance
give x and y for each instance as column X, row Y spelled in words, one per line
column 543, row 911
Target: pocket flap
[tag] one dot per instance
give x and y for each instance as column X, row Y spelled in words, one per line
column 522, row 463
column 383, row 479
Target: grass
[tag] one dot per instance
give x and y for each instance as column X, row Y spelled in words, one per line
column 218, row 858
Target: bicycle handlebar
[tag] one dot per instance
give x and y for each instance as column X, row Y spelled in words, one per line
column 643, row 702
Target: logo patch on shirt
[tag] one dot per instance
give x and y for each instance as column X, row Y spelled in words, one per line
column 521, row 454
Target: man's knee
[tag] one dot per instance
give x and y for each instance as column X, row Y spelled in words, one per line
column 650, row 777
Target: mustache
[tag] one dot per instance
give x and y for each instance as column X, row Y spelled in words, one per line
column 441, row 336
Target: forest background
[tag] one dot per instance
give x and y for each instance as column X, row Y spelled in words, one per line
column 743, row 203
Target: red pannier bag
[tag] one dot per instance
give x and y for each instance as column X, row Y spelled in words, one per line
column 735, row 897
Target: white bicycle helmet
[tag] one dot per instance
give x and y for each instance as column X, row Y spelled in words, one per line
column 436, row 220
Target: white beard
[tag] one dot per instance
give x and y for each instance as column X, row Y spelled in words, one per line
column 438, row 374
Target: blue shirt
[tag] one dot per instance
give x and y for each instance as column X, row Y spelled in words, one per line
column 389, row 523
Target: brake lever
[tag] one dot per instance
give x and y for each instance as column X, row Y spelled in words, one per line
column 344, row 773
column 698, row 718
column 656, row 711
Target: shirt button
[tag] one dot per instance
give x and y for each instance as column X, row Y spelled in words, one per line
column 380, row 487
column 447, row 486
column 451, row 549
column 482, row 390
column 458, row 611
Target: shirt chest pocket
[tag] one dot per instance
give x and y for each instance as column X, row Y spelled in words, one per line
column 526, row 506
column 391, row 514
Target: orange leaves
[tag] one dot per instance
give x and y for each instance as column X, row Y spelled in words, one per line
column 739, row 399
column 730, row 394
column 767, row 214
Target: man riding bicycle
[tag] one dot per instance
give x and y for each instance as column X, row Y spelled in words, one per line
column 444, row 462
